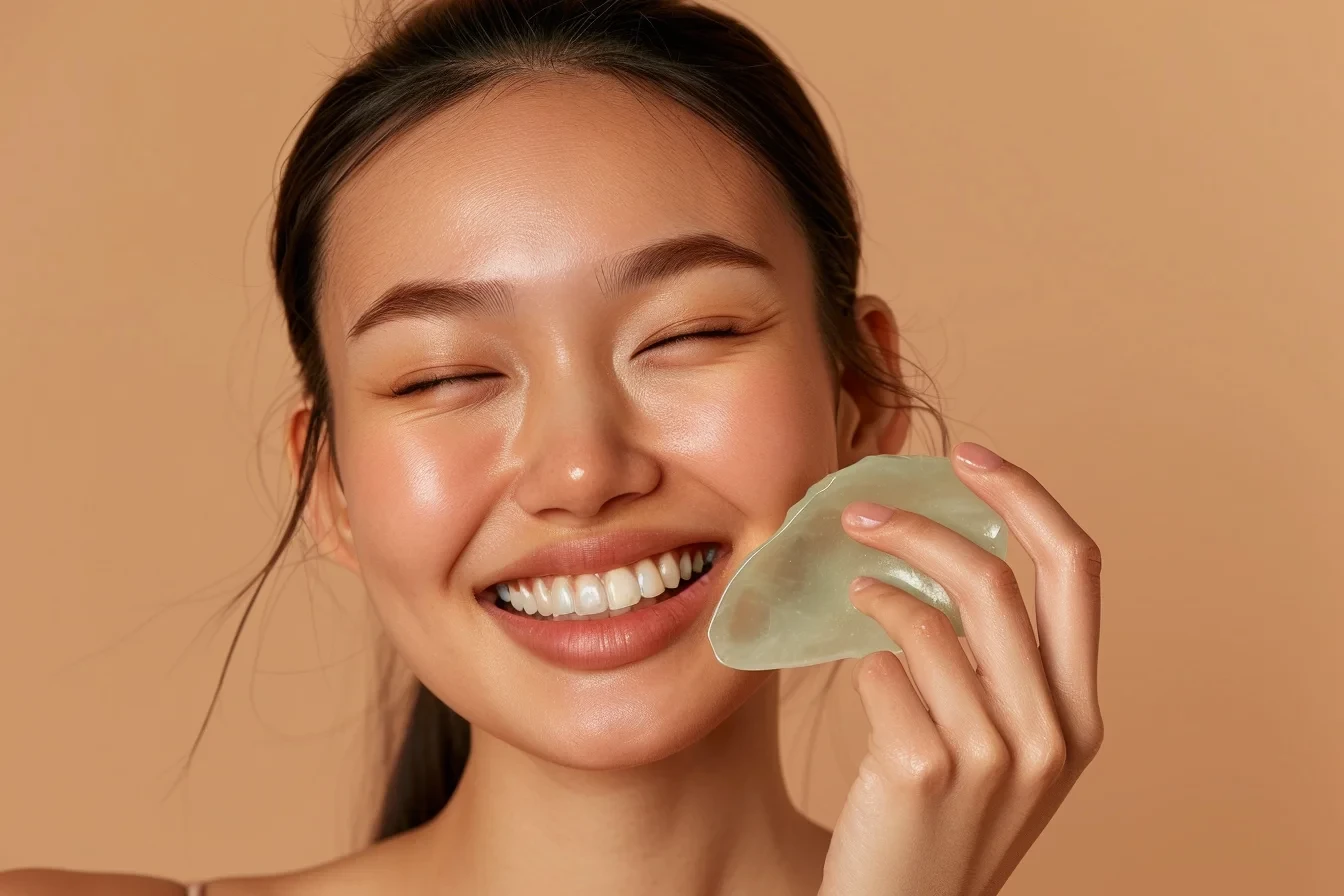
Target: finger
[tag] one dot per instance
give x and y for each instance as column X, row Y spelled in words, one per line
column 1068, row 586
column 899, row 721
column 939, row 668
column 888, row 827
column 987, row 595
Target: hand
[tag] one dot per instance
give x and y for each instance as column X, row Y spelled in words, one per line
column 966, row 765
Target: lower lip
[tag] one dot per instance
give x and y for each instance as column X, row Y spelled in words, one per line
column 614, row 641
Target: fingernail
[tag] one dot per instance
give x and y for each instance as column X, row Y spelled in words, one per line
column 867, row 515
column 861, row 583
column 978, row 456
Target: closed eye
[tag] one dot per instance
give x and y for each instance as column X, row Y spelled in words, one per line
column 716, row 333
column 441, row 381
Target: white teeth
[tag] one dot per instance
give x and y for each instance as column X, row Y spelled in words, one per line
column 650, row 580
column 614, row 591
column 562, row 596
column 542, row 594
column 668, row 569
column 592, row 595
column 622, row 588
column 529, row 600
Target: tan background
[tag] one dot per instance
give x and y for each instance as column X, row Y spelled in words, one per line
column 1113, row 231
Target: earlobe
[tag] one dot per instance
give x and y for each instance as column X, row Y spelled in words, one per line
column 324, row 513
column 849, row 430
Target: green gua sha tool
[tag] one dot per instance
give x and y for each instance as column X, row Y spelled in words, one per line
column 788, row 603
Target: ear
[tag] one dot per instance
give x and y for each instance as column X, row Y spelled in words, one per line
column 866, row 420
column 325, row 514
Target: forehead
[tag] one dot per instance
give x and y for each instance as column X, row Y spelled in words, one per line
column 535, row 181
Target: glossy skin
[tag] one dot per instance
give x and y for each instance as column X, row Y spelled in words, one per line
column 583, row 427
column 659, row 775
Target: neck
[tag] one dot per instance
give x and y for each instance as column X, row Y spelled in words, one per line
column 712, row 818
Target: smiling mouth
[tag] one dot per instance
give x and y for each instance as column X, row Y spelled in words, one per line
column 612, row 593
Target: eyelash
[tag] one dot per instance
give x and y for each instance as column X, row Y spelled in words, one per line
column 439, row 381
column 714, row 333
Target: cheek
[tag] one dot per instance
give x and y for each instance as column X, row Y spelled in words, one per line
column 416, row 493
column 757, row 433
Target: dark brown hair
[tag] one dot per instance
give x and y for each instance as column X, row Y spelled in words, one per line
column 437, row 53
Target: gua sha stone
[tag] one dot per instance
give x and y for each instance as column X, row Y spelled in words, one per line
column 788, row 603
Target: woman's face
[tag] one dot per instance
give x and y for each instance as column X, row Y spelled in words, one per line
column 500, row 242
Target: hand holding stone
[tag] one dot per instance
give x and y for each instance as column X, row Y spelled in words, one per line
column 968, row 761
column 788, row 603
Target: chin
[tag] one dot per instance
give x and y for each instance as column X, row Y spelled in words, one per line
column 628, row 720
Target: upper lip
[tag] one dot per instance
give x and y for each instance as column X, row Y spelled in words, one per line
column 594, row 554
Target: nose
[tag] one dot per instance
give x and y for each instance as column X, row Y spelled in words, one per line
column 580, row 448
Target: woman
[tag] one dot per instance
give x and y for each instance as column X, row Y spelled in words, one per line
column 573, row 291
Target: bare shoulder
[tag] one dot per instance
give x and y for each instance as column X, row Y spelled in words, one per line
column 50, row 882
column 388, row 866
column 379, row 868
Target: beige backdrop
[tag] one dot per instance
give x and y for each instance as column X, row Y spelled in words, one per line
column 1113, row 231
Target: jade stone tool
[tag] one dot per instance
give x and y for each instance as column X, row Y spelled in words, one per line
column 788, row 603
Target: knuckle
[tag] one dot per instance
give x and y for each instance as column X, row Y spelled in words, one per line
column 988, row 758
column 1044, row 757
column 928, row 773
column 998, row 577
column 928, row 622
column 874, row 671
column 1083, row 553
column 1088, row 739
column 923, row 773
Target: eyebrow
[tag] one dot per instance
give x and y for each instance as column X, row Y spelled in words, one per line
column 640, row 267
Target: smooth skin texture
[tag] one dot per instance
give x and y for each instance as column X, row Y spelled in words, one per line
column 577, row 416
